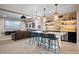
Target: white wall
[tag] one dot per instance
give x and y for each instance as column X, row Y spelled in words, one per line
column 23, row 26
column 1, row 25
column 77, row 9
column 37, row 23
column 78, row 28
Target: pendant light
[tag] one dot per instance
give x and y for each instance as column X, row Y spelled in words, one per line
column 56, row 9
column 44, row 17
column 44, row 21
column 56, row 14
column 36, row 14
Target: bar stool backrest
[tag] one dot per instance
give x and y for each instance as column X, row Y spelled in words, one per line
column 40, row 34
column 34, row 34
column 51, row 36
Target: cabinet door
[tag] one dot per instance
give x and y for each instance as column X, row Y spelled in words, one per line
column 72, row 37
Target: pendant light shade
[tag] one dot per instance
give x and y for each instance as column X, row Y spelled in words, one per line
column 44, row 19
column 56, row 14
column 56, row 17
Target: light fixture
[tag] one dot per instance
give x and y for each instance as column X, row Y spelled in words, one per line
column 44, row 16
column 56, row 14
column 23, row 17
column 44, row 21
column 36, row 14
column 56, row 9
column 44, row 11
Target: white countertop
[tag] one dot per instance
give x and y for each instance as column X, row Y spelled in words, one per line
column 61, row 33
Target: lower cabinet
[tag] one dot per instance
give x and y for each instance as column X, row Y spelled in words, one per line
column 72, row 37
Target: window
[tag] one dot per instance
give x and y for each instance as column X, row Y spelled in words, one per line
column 14, row 25
column 26, row 25
column 33, row 24
column 29, row 25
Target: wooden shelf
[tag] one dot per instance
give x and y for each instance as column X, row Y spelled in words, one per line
column 71, row 22
column 67, row 23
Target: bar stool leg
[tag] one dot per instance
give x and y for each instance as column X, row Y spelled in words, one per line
column 35, row 41
column 45, row 44
column 58, row 45
column 30, row 40
column 48, row 44
column 55, row 46
column 39, row 42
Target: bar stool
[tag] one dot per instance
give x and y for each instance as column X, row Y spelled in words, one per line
column 39, row 39
column 30, row 36
column 47, row 41
column 33, row 37
column 56, row 42
column 43, row 41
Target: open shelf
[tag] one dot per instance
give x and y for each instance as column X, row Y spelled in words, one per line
column 66, row 24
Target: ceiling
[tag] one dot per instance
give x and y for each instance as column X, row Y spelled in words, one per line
column 30, row 9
